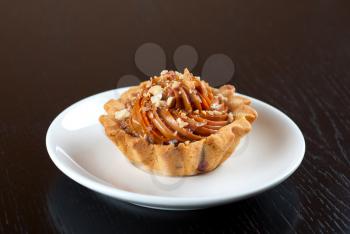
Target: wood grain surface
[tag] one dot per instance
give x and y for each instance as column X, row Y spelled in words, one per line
column 294, row 55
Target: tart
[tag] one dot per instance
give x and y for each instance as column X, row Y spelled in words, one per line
column 177, row 125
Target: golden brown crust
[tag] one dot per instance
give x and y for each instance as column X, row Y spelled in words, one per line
column 184, row 159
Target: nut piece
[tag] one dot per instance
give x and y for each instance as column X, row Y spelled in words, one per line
column 173, row 141
column 187, row 74
column 230, row 117
column 175, row 84
column 122, row 114
column 170, row 101
column 180, row 75
column 156, row 90
column 156, row 100
column 164, row 72
column 215, row 106
column 181, row 123
column 148, row 84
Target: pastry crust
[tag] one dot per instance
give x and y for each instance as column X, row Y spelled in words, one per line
column 184, row 159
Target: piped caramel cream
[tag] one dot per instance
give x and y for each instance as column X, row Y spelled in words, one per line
column 173, row 108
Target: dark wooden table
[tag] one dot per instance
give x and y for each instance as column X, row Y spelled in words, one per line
column 292, row 54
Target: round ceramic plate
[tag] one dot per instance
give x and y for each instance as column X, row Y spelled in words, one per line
column 77, row 145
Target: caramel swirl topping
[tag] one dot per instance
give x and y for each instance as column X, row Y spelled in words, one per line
column 173, row 108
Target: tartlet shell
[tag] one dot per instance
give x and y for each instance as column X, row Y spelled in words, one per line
column 184, row 159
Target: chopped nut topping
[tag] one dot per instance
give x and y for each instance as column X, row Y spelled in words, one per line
column 170, row 101
column 215, row 106
column 135, row 121
column 180, row 75
column 122, row 114
column 162, row 103
column 172, row 142
column 156, row 90
column 187, row 74
column 145, row 108
column 148, row 84
column 156, row 100
column 164, row 72
column 190, row 84
column 200, row 124
column 175, row 84
column 181, row 123
column 230, row 117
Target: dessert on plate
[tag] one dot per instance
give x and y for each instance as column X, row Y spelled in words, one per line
column 177, row 125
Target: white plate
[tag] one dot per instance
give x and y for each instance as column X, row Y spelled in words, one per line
column 77, row 145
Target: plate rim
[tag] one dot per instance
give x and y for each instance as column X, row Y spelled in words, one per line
column 170, row 201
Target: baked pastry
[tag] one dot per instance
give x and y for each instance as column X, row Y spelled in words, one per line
column 177, row 125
